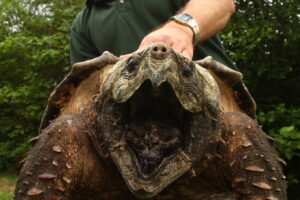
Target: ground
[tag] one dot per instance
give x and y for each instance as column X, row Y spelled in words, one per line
column 7, row 186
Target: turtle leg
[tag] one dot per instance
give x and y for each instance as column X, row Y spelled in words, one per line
column 254, row 167
column 62, row 162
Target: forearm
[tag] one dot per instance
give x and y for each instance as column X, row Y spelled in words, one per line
column 211, row 15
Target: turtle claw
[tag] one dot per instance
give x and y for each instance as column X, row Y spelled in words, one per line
column 95, row 63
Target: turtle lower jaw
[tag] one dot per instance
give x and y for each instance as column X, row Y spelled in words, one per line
column 147, row 187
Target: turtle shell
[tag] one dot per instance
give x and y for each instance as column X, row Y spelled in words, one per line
column 78, row 89
column 235, row 96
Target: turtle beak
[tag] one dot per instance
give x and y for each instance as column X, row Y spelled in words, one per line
column 159, row 51
column 157, row 79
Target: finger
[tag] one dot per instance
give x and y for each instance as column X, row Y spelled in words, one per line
column 167, row 39
column 148, row 40
column 187, row 53
column 142, row 45
column 125, row 56
column 178, row 47
column 129, row 54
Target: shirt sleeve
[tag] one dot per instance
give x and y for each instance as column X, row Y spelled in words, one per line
column 82, row 47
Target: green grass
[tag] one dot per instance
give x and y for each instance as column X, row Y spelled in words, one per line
column 7, row 185
column 6, row 195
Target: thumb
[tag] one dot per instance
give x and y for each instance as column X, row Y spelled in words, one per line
column 125, row 55
column 188, row 54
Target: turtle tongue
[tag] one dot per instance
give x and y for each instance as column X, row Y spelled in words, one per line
column 152, row 141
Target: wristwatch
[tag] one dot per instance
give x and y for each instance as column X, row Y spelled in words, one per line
column 188, row 20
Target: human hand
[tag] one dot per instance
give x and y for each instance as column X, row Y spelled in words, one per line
column 178, row 36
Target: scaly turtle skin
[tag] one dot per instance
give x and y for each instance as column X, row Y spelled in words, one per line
column 154, row 125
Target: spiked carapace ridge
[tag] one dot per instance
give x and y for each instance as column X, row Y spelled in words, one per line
column 153, row 125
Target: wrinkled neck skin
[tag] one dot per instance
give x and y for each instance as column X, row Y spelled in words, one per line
column 157, row 114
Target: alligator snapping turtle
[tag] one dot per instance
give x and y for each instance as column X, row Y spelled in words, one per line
column 155, row 124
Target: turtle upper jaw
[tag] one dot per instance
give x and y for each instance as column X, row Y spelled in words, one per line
column 193, row 85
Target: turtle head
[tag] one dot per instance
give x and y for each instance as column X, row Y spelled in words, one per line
column 194, row 86
column 156, row 117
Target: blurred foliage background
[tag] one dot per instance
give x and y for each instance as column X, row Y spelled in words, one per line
column 263, row 38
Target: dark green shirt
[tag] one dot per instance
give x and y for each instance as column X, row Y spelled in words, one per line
column 119, row 28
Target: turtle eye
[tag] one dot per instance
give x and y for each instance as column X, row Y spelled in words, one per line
column 132, row 63
column 187, row 69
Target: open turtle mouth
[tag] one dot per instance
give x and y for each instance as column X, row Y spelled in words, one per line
column 156, row 127
column 152, row 138
column 148, row 137
column 156, row 117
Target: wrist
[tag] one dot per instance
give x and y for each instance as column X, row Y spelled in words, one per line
column 189, row 21
column 187, row 31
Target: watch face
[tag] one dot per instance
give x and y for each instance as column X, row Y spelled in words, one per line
column 185, row 17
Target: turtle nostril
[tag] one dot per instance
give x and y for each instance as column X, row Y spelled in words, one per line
column 159, row 50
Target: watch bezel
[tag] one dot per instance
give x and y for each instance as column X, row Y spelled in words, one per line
column 184, row 17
